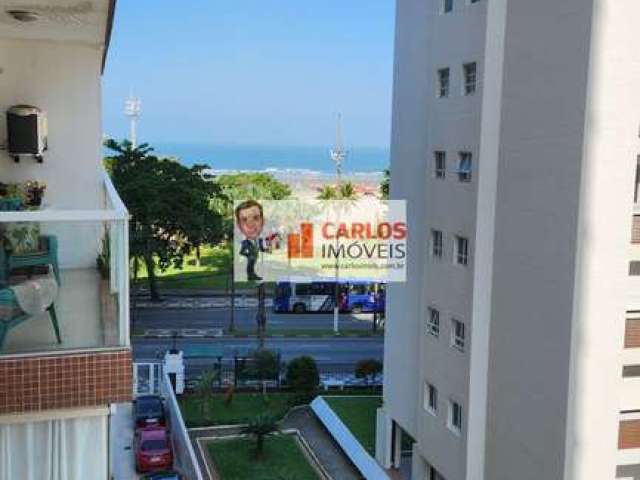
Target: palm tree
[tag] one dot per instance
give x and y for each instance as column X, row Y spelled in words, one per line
column 384, row 185
column 259, row 428
column 203, row 389
column 328, row 192
column 348, row 191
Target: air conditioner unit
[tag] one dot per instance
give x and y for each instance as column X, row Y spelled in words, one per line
column 27, row 132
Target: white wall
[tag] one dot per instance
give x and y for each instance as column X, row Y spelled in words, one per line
column 63, row 79
column 425, row 41
column 563, row 214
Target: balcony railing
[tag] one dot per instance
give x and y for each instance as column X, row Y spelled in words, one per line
column 87, row 249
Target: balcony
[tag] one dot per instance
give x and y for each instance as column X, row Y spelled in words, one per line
column 91, row 304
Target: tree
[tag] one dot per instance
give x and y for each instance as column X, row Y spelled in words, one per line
column 203, row 388
column 384, row 185
column 245, row 186
column 266, row 366
column 348, row 191
column 328, row 192
column 302, row 375
column 169, row 206
column 368, row 369
column 259, row 428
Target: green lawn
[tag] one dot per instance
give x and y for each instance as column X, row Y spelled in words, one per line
column 359, row 415
column 213, row 272
column 243, row 407
column 283, row 460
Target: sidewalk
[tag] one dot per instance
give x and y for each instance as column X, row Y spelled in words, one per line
column 121, row 437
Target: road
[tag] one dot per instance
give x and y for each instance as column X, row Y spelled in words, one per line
column 245, row 319
column 329, row 352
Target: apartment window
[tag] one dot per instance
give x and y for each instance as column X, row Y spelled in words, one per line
column 440, row 164
column 455, row 417
column 436, row 243
column 461, row 254
column 430, row 398
column 464, row 166
column 637, row 183
column 470, row 78
column 433, row 321
column 457, row 334
column 631, row 371
column 443, row 82
column 474, row 1
column 447, row 6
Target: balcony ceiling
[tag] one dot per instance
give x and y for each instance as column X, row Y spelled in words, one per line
column 58, row 20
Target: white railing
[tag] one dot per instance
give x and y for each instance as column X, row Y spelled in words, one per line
column 369, row 468
column 185, row 456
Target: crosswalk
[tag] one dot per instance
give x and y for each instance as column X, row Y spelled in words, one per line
column 202, row 303
column 183, row 332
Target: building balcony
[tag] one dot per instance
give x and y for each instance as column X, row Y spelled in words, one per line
column 80, row 253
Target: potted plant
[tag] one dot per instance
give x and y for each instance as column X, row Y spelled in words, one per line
column 34, row 191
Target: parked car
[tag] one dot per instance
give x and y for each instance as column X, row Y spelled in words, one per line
column 152, row 448
column 162, row 476
column 148, row 410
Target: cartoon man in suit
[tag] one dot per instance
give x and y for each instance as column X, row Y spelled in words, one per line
column 250, row 220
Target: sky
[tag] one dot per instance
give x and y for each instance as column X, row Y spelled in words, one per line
column 252, row 72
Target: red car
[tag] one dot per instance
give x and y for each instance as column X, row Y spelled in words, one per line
column 153, row 450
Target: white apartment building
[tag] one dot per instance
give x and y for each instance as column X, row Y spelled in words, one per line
column 515, row 136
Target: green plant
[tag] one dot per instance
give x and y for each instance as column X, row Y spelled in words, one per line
column 368, row 369
column 204, row 389
column 228, row 396
column 266, row 366
column 259, row 428
column 302, row 375
column 103, row 261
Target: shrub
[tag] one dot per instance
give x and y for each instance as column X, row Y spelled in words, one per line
column 368, row 369
column 302, row 375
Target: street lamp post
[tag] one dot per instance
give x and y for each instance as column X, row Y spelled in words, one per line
column 337, row 155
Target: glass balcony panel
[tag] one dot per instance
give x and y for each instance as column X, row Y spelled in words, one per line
column 91, row 303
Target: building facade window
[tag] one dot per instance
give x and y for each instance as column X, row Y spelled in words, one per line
column 636, row 191
column 443, row 82
column 461, row 254
column 464, row 166
column 440, row 164
column 447, row 6
column 430, row 398
column 474, row 1
column 433, row 321
column 436, row 243
column 455, row 417
column 470, row 72
column 457, row 334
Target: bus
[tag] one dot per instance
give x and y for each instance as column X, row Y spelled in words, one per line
column 355, row 296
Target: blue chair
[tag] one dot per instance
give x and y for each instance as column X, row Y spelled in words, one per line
column 47, row 254
column 11, row 315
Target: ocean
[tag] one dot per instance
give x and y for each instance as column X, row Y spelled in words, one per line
column 273, row 158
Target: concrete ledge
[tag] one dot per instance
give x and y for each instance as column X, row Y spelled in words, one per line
column 364, row 462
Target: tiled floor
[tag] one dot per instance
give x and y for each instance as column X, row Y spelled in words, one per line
column 86, row 315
